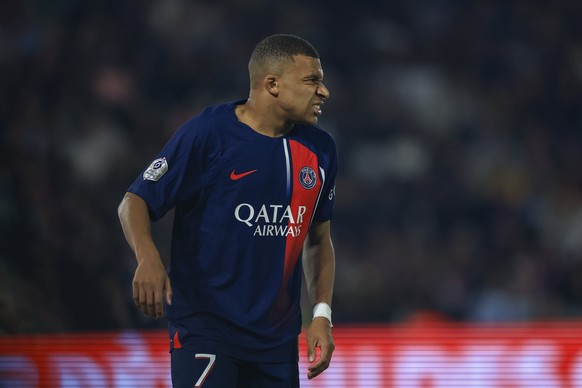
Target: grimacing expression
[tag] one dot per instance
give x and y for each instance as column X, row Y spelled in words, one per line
column 301, row 90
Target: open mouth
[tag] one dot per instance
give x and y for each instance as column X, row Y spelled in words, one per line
column 317, row 109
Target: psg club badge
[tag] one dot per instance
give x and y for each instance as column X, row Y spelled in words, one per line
column 307, row 177
column 156, row 170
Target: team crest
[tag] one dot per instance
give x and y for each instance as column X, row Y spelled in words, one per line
column 307, row 177
column 156, row 170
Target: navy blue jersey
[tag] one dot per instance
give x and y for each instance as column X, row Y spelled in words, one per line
column 243, row 205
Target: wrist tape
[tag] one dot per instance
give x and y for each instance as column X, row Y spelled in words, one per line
column 322, row 310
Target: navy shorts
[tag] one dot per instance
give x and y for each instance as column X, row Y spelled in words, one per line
column 192, row 369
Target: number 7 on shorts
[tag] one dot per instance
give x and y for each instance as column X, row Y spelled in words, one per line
column 211, row 360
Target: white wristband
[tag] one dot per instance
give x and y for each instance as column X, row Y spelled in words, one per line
column 322, row 310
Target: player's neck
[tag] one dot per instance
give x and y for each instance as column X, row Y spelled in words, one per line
column 261, row 119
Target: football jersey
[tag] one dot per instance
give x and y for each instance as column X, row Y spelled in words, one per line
column 243, row 205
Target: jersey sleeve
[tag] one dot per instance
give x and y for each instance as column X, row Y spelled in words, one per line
column 325, row 204
column 163, row 183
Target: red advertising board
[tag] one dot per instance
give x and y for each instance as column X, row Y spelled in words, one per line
column 545, row 355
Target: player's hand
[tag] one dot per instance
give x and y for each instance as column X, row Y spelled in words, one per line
column 319, row 336
column 150, row 284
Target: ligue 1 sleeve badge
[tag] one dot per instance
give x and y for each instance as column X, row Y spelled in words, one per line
column 307, row 177
column 156, row 170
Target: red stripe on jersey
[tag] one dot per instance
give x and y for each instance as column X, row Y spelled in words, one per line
column 301, row 157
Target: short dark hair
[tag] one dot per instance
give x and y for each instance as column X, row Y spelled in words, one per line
column 276, row 49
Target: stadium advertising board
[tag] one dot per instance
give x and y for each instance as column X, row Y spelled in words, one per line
column 439, row 355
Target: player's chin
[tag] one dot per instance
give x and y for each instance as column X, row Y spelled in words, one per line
column 311, row 119
column 307, row 119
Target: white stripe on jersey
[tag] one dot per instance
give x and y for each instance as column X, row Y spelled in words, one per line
column 318, row 195
column 288, row 164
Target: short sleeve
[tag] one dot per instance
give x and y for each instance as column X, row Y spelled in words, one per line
column 176, row 172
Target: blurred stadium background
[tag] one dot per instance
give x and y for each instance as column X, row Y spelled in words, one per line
column 459, row 126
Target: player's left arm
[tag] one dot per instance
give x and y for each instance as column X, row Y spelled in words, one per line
column 319, row 270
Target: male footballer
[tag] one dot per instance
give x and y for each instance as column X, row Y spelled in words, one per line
column 252, row 183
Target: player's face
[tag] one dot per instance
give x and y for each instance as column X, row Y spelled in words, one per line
column 301, row 90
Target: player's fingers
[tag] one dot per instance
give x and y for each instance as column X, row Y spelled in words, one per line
column 318, row 367
column 154, row 300
column 140, row 298
column 311, row 344
column 168, row 288
column 146, row 299
column 158, row 307
column 325, row 356
column 326, row 351
column 135, row 290
column 143, row 300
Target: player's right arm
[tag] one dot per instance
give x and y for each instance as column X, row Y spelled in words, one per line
column 150, row 282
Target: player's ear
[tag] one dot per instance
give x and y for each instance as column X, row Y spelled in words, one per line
column 271, row 82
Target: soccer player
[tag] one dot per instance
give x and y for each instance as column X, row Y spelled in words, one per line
column 252, row 183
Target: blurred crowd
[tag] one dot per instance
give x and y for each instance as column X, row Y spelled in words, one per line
column 459, row 126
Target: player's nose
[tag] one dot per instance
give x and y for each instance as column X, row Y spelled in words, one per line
column 322, row 92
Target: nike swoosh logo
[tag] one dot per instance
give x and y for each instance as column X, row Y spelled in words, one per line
column 234, row 176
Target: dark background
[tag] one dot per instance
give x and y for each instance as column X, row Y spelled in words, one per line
column 459, row 126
